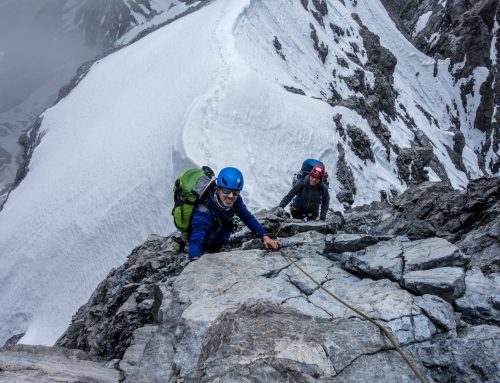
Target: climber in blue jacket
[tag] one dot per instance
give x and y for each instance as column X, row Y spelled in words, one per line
column 212, row 221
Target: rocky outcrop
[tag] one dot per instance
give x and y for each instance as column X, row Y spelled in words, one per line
column 435, row 208
column 124, row 301
column 248, row 314
column 464, row 32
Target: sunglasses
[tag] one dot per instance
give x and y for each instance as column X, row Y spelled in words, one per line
column 229, row 191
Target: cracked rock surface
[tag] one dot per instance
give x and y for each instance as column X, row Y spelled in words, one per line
column 246, row 314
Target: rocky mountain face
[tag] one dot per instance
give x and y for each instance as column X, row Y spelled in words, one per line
column 466, row 33
column 366, row 77
column 427, row 268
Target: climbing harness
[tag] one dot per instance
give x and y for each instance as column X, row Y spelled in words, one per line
column 384, row 331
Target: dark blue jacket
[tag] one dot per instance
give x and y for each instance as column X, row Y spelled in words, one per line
column 211, row 227
column 309, row 198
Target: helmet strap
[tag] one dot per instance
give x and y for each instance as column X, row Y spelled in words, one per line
column 218, row 203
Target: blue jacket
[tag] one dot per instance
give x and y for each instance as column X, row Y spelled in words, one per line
column 211, row 227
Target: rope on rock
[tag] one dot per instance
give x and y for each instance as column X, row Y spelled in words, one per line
column 384, row 331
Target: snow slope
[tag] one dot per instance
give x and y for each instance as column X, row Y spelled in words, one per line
column 205, row 89
column 99, row 182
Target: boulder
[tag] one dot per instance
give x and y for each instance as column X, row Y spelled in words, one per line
column 383, row 260
column 481, row 302
column 431, row 253
column 445, row 282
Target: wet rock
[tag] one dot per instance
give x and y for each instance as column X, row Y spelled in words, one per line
column 445, row 282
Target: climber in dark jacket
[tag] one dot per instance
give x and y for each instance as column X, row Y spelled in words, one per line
column 212, row 221
column 310, row 192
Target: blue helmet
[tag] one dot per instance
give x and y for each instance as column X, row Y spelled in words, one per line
column 230, row 178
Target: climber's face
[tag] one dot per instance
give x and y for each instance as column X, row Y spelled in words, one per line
column 313, row 180
column 227, row 196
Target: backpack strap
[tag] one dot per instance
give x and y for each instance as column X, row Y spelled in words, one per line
column 203, row 208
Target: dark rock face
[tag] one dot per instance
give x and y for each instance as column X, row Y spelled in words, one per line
column 377, row 99
column 125, row 300
column 451, row 213
column 446, row 361
column 381, row 62
column 321, row 48
column 462, row 31
column 277, row 47
column 345, row 178
column 360, row 143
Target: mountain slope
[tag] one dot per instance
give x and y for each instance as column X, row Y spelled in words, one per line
column 211, row 88
column 43, row 43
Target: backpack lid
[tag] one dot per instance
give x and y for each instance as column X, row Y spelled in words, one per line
column 308, row 164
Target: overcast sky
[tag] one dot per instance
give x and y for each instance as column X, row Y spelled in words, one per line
column 34, row 47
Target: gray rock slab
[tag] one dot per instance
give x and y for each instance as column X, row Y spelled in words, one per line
column 23, row 363
column 470, row 357
column 390, row 368
column 481, row 301
column 306, row 238
column 438, row 310
column 296, row 226
column 431, row 253
column 445, row 282
column 251, row 315
column 317, row 267
column 383, row 260
column 283, row 341
column 135, row 351
column 382, row 300
column 340, row 243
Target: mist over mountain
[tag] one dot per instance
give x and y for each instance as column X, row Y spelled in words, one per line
column 42, row 44
column 386, row 96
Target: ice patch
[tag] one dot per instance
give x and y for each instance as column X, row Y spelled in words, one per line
column 421, row 23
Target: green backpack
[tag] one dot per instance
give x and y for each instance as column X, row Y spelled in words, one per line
column 188, row 190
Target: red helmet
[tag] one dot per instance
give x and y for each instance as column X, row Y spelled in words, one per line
column 318, row 171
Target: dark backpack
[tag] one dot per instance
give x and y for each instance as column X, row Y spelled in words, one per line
column 189, row 188
column 307, row 165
